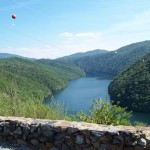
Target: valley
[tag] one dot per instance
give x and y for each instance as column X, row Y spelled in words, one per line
column 26, row 81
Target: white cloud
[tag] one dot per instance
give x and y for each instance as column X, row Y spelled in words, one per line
column 81, row 35
column 79, row 38
column 66, row 34
column 88, row 35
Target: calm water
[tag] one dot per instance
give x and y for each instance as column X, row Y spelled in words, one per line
column 80, row 93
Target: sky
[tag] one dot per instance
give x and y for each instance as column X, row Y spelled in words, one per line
column 55, row 28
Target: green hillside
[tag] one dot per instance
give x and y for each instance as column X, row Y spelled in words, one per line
column 65, row 69
column 25, row 83
column 132, row 87
column 32, row 79
column 112, row 63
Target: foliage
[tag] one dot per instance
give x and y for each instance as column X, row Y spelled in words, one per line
column 65, row 69
column 25, row 83
column 114, row 62
column 137, row 123
column 105, row 113
column 34, row 109
column 32, row 79
column 132, row 87
column 101, row 112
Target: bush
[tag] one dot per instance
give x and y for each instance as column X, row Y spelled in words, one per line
column 105, row 113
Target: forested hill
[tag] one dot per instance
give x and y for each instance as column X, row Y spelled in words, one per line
column 112, row 63
column 65, row 69
column 31, row 79
column 132, row 87
column 75, row 56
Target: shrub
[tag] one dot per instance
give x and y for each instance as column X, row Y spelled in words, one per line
column 105, row 113
column 30, row 108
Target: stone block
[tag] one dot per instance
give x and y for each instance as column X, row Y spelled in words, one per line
column 35, row 142
column 21, row 142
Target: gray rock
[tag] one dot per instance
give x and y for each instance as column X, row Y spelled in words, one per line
column 72, row 130
column 147, row 136
column 33, row 128
column 48, row 133
column 8, row 146
column 142, row 142
column 35, row 142
column 79, row 139
column 45, row 127
column 22, row 124
column 103, row 147
column 65, row 147
column 54, row 148
column 113, row 131
column 18, row 130
column 21, row 142
column 96, row 144
column 2, row 124
column 97, row 133
column 116, row 141
column 1, row 128
column 120, row 138
column 58, row 143
column 43, row 139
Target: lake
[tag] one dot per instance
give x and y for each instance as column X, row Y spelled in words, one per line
column 80, row 93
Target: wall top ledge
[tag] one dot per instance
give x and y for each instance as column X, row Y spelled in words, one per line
column 79, row 125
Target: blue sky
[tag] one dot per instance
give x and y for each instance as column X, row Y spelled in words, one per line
column 54, row 28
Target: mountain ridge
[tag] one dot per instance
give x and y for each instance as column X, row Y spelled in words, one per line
column 9, row 55
column 75, row 56
column 114, row 62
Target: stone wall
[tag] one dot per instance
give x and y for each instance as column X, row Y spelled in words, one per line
column 63, row 135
